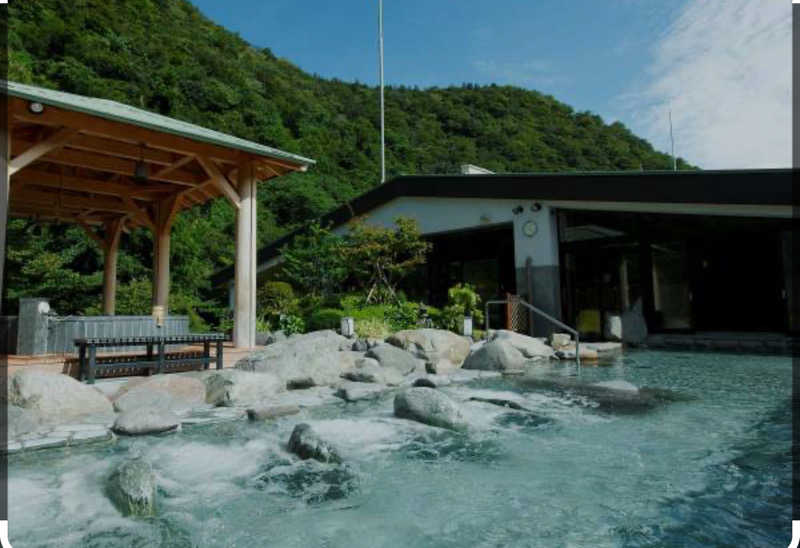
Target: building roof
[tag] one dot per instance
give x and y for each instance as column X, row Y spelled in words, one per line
column 119, row 112
column 726, row 187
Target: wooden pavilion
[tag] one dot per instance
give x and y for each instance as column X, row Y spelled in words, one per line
column 110, row 167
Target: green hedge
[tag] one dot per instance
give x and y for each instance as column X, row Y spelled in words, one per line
column 325, row 318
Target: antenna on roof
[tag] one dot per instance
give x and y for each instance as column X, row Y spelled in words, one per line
column 672, row 141
column 380, row 41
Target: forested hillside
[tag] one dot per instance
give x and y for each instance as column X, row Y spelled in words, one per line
column 164, row 55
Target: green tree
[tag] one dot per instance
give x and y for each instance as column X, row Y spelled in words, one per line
column 314, row 262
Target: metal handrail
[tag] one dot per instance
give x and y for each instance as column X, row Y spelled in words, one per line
column 545, row 315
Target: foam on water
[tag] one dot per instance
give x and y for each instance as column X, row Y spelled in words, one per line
column 583, row 477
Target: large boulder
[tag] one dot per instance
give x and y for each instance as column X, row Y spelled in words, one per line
column 358, row 391
column 56, row 398
column 391, row 356
column 430, row 407
column 146, row 420
column 315, row 356
column 306, row 444
column 531, row 348
column 179, row 393
column 369, row 370
column 234, row 387
column 441, row 350
column 132, row 488
column 497, row 355
column 21, row 421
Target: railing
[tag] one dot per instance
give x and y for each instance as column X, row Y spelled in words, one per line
column 546, row 316
column 63, row 330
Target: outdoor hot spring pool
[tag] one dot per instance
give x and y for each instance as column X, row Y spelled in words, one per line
column 712, row 471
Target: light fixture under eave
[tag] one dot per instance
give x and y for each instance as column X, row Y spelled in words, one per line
column 141, row 172
column 36, row 108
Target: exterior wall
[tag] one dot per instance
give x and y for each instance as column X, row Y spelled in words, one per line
column 8, row 335
column 441, row 215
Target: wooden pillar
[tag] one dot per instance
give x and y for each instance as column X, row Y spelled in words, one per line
column 165, row 214
column 110, row 249
column 244, row 325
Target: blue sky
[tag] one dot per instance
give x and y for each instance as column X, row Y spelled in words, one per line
column 630, row 60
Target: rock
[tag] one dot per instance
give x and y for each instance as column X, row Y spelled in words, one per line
column 271, row 412
column 430, row 407
column 314, row 356
column 559, row 340
column 275, row 336
column 497, row 355
column 357, row 391
column 311, row 481
column 634, row 326
column 500, row 402
column 132, row 488
column 360, row 345
column 146, row 420
column 441, row 350
column 56, row 398
column 234, row 387
column 21, row 421
column 391, row 356
column 179, row 393
column 300, row 383
column 424, row 383
column 369, row 370
column 612, row 329
column 587, row 353
column 306, row 444
column 531, row 348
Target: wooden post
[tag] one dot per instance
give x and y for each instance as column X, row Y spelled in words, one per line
column 113, row 232
column 245, row 310
column 165, row 214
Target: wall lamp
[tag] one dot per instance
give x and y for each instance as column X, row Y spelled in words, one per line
column 36, row 108
column 517, row 210
column 536, row 206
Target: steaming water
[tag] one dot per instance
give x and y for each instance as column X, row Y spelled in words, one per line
column 715, row 471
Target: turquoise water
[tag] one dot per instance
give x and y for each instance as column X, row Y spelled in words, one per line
column 713, row 471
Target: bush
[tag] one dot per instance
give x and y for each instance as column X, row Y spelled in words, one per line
column 325, row 318
column 402, row 316
column 462, row 301
column 291, row 324
column 372, row 328
column 276, row 298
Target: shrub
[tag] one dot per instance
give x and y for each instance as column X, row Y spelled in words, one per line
column 372, row 328
column 291, row 324
column 462, row 301
column 402, row 316
column 325, row 318
column 276, row 298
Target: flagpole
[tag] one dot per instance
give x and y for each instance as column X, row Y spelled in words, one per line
column 672, row 143
column 383, row 135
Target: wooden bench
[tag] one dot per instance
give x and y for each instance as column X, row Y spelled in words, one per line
column 157, row 359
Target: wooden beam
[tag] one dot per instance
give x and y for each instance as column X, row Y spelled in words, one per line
column 37, row 150
column 68, row 201
column 175, row 165
column 140, row 214
column 113, row 232
column 111, row 164
column 49, row 179
column 90, row 232
column 119, row 149
column 120, row 131
column 219, row 180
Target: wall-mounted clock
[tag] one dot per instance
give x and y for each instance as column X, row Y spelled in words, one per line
column 530, row 229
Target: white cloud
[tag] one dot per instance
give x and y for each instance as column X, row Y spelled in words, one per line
column 724, row 68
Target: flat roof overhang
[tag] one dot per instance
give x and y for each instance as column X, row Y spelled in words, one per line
column 696, row 191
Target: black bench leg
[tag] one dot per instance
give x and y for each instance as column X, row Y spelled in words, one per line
column 92, row 363
column 161, row 352
column 149, row 370
column 206, row 354
column 82, row 372
column 219, row 354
